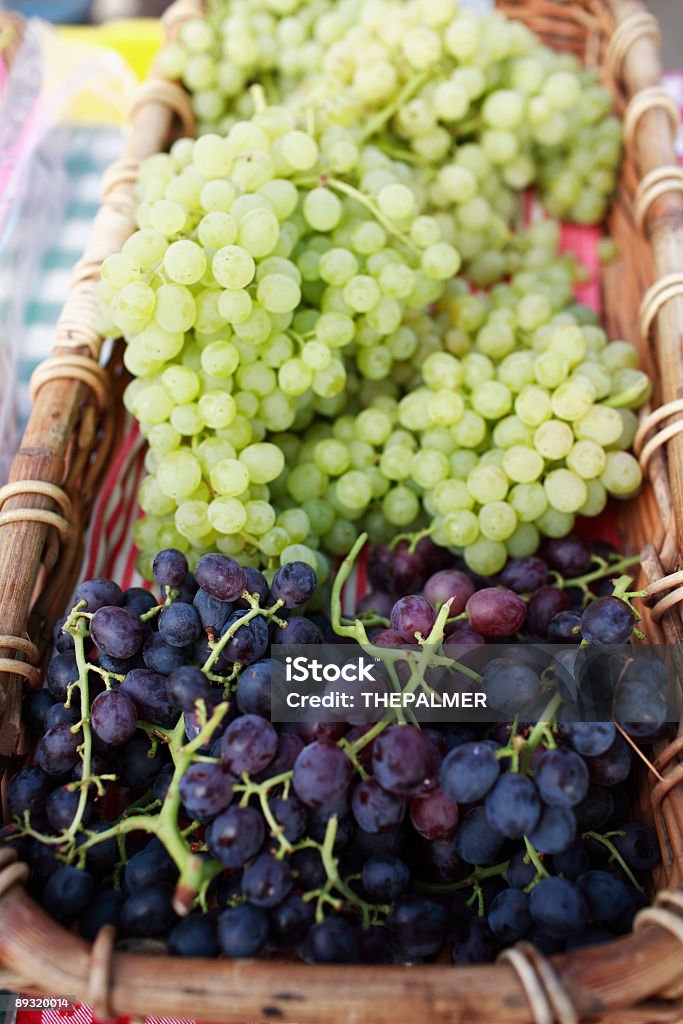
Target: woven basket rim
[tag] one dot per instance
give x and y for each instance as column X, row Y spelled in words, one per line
column 650, row 962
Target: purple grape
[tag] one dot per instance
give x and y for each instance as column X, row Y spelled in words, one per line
column 256, row 584
column 572, row 861
column 34, row 708
column 28, row 790
column 411, row 616
column 299, row 630
column 59, row 714
column 334, row 941
column 149, row 693
column 290, row 814
column 449, row 584
column 162, row 657
column 524, row 575
column 417, row 924
column 138, row 601
column 179, row 624
column 206, row 790
column 267, row 881
column 385, row 878
column 561, row 777
column 607, row 897
column 607, row 620
column 477, row 946
column 250, row 641
column 322, row 775
column 170, row 567
column 134, row 767
column 374, row 809
column 57, row 751
column 248, row 745
column 116, row 631
column 291, row 920
column 97, row 593
column 148, row 912
column 213, row 614
column 544, row 605
column 294, row 584
column 469, row 772
column 61, row 808
column 509, row 916
column 254, row 688
column 113, row 717
column 513, row 807
column 221, row 576
column 62, row 641
column 242, row 931
column 434, row 816
column 570, row 556
column 396, row 570
column 402, row 760
column 613, row 766
column 375, row 602
column 188, row 684
column 185, row 592
column 235, row 836
column 61, row 673
column 565, row 628
column 558, row 906
column 104, row 908
column 555, row 831
column 67, row 893
column 638, row 846
column 194, row 936
column 288, row 749
column 496, row 611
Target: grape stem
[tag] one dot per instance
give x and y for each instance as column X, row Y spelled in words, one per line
column 539, row 730
column 254, row 610
column 534, row 857
column 248, row 788
column 615, row 855
column 603, row 570
column 334, row 879
column 473, row 879
column 413, row 85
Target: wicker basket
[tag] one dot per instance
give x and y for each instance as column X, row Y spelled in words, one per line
column 74, row 429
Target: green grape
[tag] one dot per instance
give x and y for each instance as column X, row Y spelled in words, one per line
column 188, row 419
column 264, row 462
column 375, row 363
column 212, row 450
column 565, row 490
column 400, row 505
column 152, row 404
column 306, row 481
column 192, row 521
column 185, row 262
column 551, row 369
column 533, row 406
column 395, row 462
column 429, row 467
column 597, row 499
column 261, row 517
column 524, row 541
column 235, row 305
column 152, row 499
column 492, row 400
column 553, row 439
column 296, row 523
column 573, row 399
column 373, row 426
column 529, row 501
column 217, row 409
column 233, row 267
column 164, row 437
column 497, row 520
column 441, row 370
column 179, row 473
column 522, row 464
column 587, row 459
column 511, row 431
column 487, row 483
column 229, row 477
column 227, row 515
column 332, row 456
column 273, row 542
column 470, row 430
column 354, row 490
column 622, row 475
column 486, row 557
column 554, row 523
column 600, row 424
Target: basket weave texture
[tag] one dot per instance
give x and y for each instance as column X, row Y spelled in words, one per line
column 55, row 478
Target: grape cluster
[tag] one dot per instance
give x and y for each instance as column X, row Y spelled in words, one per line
column 476, row 100
column 258, row 301
column 347, row 843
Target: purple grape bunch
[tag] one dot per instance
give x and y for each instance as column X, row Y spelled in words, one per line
column 344, row 841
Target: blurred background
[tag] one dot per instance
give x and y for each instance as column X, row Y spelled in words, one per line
column 669, row 13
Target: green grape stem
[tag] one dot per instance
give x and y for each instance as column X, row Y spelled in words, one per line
column 539, row 730
column 604, row 570
column 534, row 857
column 267, row 613
column 473, row 879
column 615, row 855
column 413, row 85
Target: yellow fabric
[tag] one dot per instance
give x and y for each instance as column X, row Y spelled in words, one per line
column 137, row 40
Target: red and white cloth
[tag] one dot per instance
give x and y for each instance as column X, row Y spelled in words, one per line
column 110, row 551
